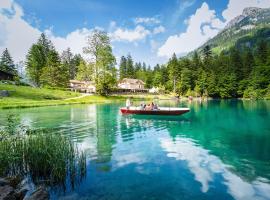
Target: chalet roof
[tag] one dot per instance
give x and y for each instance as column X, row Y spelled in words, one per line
column 132, row 81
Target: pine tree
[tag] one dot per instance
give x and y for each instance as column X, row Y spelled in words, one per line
column 6, row 63
column 35, row 62
column 85, row 71
column 236, row 64
column 130, row 67
column 54, row 74
column 123, row 67
column 45, row 43
column 207, row 53
column 174, row 71
column 248, row 63
column 262, row 52
column 67, row 60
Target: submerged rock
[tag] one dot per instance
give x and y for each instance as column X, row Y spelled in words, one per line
column 7, row 193
column 10, row 189
column 40, row 193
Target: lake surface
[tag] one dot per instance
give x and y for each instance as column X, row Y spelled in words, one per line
column 220, row 150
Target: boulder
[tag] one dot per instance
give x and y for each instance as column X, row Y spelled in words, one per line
column 40, row 193
column 11, row 189
column 3, row 182
column 4, row 93
column 7, row 193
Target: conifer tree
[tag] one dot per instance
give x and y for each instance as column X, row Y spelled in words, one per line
column 123, row 67
column 6, row 63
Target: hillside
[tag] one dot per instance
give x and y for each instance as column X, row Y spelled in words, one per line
column 244, row 30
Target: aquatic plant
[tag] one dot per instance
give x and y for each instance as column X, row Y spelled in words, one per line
column 47, row 157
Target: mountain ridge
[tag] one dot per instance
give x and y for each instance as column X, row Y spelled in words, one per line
column 247, row 24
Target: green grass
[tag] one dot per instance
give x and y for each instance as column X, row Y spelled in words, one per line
column 25, row 96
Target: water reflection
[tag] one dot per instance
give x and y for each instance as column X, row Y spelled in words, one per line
column 218, row 150
column 205, row 168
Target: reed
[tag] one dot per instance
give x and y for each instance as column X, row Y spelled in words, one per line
column 46, row 157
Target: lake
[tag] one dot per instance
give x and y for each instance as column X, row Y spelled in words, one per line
column 220, row 150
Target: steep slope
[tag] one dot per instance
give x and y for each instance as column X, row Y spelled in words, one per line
column 246, row 29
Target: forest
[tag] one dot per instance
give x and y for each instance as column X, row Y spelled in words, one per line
column 234, row 73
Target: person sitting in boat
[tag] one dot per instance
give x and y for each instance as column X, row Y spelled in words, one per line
column 142, row 107
column 155, row 107
column 128, row 103
column 148, row 107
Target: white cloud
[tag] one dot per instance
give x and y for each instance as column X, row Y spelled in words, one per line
column 16, row 34
column 19, row 42
column 235, row 7
column 5, row 4
column 76, row 40
column 146, row 20
column 154, row 45
column 202, row 25
column 159, row 29
column 130, row 35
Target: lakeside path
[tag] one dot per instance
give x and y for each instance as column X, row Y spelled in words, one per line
column 78, row 97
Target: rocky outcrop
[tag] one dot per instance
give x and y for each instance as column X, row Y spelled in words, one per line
column 40, row 193
column 13, row 188
column 10, row 189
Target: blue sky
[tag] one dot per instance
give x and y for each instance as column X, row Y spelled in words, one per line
column 151, row 31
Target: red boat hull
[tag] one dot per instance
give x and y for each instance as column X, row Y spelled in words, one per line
column 153, row 112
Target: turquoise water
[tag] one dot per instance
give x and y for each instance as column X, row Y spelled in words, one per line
column 220, row 150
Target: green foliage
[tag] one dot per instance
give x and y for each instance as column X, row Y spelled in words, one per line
column 99, row 49
column 106, row 84
column 71, row 63
column 123, row 67
column 54, row 74
column 85, row 71
column 230, row 74
column 37, row 58
column 44, row 156
column 6, row 63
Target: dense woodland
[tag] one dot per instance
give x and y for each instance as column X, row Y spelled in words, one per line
column 238, row 72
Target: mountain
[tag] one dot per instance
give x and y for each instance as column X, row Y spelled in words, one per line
column 244, row 30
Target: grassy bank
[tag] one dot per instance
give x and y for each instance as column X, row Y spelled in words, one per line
column 25, row 96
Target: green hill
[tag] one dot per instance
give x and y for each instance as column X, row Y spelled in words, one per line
column 243, row 31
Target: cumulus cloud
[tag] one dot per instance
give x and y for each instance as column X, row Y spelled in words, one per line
column 146, row 20
column 16, row 34
column 159, row 29
column 202, row 25
column 235, row 7
column 75, row 40
column 130, row 35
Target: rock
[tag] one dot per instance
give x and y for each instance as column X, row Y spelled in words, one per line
column 14, row 181
column 7, row 193
column 4, row 93
column 11, row 188
column 40, row 193
column 3, row 182
column 20, row 194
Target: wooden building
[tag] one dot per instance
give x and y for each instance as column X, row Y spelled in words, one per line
column 131, row 85
column 6, row 76
column 82, row 86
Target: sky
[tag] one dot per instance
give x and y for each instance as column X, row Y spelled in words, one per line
column 151, row 31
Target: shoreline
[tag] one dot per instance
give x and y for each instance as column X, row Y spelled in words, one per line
column 109, row 99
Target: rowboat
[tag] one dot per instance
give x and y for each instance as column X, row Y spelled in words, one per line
column 159, row 111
